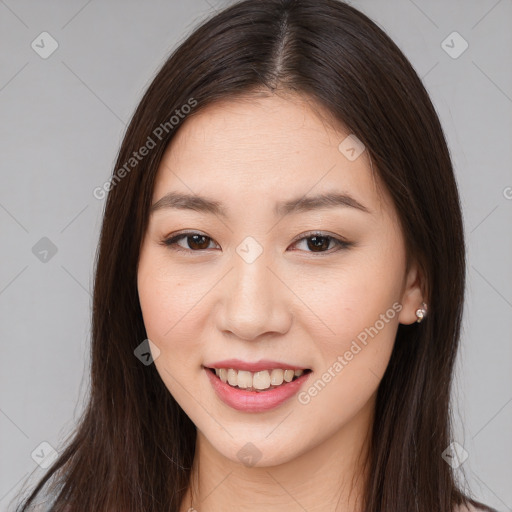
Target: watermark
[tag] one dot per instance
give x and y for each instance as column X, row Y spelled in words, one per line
column 44, row 454
column 158, row 133
column 147, row 352
column 44, row 45
column 507, row 192
column 249, row 455
column 44, row 250
column 455, row 455
column 304, row 397
column 249, row 249
column 454, row 45
column 351, row 147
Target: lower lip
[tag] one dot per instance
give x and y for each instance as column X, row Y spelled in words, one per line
column 254, row 401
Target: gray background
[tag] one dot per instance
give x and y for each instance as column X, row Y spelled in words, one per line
column 62, row 120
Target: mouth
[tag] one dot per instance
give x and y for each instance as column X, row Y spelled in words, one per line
column 260, row 381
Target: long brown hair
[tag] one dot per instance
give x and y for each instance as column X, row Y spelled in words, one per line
column 133, row 448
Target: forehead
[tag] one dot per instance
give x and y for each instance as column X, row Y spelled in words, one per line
column 271, row 125
column 271, row 147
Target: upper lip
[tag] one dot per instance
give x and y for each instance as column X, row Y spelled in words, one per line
column 262, row 364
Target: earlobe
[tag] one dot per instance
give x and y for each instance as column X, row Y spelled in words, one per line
column 414, row 309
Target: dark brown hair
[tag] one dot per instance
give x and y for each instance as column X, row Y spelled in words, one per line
column 133, row 448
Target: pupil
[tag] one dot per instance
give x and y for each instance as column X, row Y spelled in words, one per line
column 197, row 244
column 317, row 245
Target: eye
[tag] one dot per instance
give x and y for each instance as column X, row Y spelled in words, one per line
column 318, row 242
column 199, row 242
column 315, row 242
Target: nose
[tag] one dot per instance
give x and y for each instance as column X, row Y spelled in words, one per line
column 255, row 302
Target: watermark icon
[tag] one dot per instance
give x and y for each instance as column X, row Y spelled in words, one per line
column 44, row 249
column 147, row 352
column 351, row 147
column 454, row 45
column 249, row 249
column 304, row 397
column 507, row 192
column 249, row 454
column 137, row 156
column 44, row 45
column 44, row 454
column 455, row 455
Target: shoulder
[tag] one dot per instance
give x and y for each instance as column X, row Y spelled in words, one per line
column 468, row 507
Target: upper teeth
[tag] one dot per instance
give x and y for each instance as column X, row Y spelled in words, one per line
column 257, row 380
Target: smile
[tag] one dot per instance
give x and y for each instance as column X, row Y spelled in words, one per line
column 257, row 381
column 256, row 391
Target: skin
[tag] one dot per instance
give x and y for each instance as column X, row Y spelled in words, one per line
column 291, row 304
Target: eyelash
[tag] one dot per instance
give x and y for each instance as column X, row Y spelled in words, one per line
column 171, row 242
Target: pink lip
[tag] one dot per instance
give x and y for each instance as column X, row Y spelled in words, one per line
column 254, row 401
column 263, row 364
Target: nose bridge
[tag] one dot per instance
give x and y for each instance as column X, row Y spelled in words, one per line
column 251, row 273
column 253, row 300
column 252, row 287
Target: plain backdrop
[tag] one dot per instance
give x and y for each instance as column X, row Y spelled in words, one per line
column 62, row 117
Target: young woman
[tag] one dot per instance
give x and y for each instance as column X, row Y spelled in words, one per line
column 279, row 283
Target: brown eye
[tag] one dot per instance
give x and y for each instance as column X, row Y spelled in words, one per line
column 199, row 242
column 319, row 243
column 195, row 242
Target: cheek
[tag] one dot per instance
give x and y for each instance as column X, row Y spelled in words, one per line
column 356, row 319
column 167, row 305
column 355, row 345
column 351, row 299
column 171, row 302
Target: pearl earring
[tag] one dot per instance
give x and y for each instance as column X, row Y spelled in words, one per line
column 421, row 312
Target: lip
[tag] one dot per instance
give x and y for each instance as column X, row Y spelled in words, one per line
column 258, row 366
column 254, row 401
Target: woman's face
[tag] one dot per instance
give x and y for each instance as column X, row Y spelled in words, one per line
column 258, row 279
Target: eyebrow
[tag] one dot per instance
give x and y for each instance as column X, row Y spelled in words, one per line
column 203, row 204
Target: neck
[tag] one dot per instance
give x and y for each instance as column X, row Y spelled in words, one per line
column 329, row 477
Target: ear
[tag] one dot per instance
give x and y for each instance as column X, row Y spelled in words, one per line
column 412, row 295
